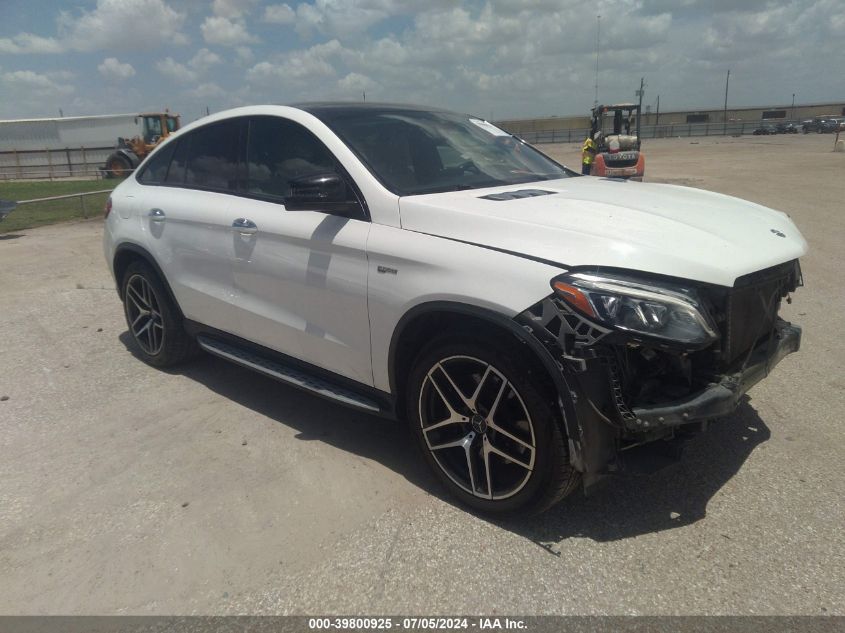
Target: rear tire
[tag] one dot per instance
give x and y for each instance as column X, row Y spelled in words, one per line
column 485, row 419
column 155, row 323
column 117, row 166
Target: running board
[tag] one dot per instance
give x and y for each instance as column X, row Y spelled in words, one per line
column 289, row 375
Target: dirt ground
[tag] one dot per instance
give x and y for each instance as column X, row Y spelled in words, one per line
column 211, row 490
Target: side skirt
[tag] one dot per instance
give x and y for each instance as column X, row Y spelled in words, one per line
column 291, row 371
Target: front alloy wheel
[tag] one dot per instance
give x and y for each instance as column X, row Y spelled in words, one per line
column 477, row 427
column 485, row 418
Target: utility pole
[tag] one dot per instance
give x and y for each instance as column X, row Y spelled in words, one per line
column 364, row 92
column 725, row 116
column 792, row 115
column 598, row 33
column 640, row 93
column 657, row 120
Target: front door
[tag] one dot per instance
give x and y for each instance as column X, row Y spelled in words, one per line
column 300, row 277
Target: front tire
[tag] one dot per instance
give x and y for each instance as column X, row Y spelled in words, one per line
column 154, row 321
column 486, row 422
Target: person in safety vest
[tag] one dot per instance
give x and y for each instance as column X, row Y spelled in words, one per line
column 588, row 155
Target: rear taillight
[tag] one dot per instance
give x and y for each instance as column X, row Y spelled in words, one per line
column 107, row 208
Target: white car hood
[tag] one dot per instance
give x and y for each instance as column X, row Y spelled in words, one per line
column 664, row 229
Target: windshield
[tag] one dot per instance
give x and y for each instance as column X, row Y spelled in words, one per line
column 415, row 152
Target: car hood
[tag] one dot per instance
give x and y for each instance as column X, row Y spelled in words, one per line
column 663, row 229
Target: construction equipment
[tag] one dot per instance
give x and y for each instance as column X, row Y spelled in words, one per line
column 618, row 153
column 157, row 126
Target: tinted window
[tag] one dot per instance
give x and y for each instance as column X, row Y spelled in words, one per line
column 213, row 156
column 155, row 170
column 279, row 151
column 179, row 164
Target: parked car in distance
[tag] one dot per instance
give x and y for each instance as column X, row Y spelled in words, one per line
column 786, row 127
column 538, row 330
column 765, row 129
column 820, row 124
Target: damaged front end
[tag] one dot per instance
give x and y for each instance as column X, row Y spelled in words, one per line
column 649, row 359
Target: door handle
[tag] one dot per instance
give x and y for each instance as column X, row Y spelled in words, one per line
column 244, row 226
column 156, row 215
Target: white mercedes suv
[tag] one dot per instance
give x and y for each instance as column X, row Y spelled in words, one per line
column 536, row 328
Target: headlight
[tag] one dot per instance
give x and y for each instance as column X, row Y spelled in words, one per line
column 667, row 312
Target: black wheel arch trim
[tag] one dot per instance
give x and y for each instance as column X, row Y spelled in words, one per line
column 144, row 254
column 564, row 381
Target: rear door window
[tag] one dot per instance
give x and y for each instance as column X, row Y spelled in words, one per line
column 213, row 157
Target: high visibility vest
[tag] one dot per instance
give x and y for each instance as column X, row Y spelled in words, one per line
column 588, row 152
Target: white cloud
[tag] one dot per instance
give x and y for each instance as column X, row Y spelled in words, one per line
column 28, row 43
column 244, row 54
column 203, row 60
column 121, row 25
column 311, row 63
column 36, row 82
column 225, row 32
column 175, row 71
column 36, row 94
column 113, row 69
column 208, row 90
column 232, row 8
column 279, row 14
column 112, row 24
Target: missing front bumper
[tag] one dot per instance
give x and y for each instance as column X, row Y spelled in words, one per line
column 720, row 398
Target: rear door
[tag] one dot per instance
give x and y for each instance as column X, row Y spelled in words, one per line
column 188, row 220
column 300, row 277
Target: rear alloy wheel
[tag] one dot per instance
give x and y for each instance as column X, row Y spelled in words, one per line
column 488, row 431
column 153, row 319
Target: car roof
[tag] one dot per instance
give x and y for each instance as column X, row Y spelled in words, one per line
column 322, row 109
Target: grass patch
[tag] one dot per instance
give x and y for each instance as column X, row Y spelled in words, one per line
column 41, row 213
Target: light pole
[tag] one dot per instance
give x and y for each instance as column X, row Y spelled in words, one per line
column 598, row 33
column 792, row 115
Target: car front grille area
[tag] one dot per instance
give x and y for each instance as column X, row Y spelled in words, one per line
column 751, row 307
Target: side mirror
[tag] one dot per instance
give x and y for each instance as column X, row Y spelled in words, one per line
column 327, row 192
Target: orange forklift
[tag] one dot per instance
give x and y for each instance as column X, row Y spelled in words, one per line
column 618, row 152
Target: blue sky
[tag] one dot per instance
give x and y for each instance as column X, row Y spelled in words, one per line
column 495, row 58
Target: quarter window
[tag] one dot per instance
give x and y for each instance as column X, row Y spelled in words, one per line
column 156, row 169
column 280, row 151
column 179, row 164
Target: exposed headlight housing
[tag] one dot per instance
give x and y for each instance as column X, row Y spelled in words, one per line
column 667, row 312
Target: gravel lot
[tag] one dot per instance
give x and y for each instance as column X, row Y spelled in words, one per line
column 124, row 489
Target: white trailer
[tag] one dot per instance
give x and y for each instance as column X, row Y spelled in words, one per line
column 58, row 147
